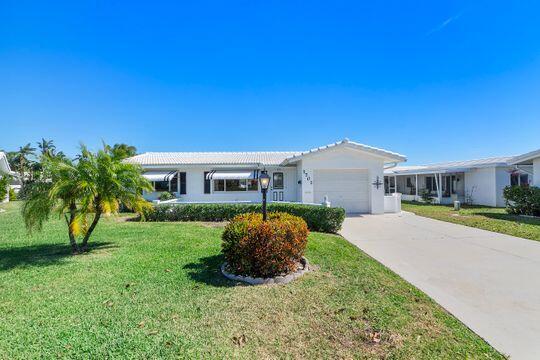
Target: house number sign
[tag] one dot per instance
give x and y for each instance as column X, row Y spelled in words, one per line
column 377, row 183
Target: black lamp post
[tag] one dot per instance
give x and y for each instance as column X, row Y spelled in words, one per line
column 264, row 180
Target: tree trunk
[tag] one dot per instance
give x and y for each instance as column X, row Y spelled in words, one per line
column 97, row 216
column 72, row 241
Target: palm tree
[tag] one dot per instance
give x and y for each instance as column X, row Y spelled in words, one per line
column 108, row 183
column 47, row 147
column 95, row 185
column 22, row 161
column 57, row 195
column 121, row 151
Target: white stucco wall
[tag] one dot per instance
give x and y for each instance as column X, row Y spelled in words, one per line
column 4, row 169
column 502, row 181
column 536, row 172
column 482, row 184
column 344, row 158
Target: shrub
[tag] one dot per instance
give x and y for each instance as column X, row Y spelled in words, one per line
column 12, row 194
column 4, row 184
column 264, row 248
column 25, row 189
column 166, row 196
column 522, row 200
column 318, row 218
column 426, row 196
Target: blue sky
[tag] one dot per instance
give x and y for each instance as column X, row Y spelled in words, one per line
column 432, row 80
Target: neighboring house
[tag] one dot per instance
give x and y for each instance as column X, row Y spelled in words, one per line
column 5, row 170
column 478, row 182
column 348, row 174
column 528, row 161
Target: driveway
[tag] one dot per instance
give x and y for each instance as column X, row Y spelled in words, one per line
column 490, row 281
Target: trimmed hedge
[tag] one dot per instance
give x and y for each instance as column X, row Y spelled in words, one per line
column 264, row 248
column 318, row 218
column 522, row 200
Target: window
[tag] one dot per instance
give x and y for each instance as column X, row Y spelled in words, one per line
column 514, row 179
column 409, row 182
column 172, row 185
column 277, row 180
column 431, row 183
column 517, row 179
column 161, row 186
column 524, row 180
column 236, row 185
column 253, row 185
column 219, row 185
column 389, row 184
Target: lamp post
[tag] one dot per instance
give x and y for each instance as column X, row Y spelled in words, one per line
column 264, row 180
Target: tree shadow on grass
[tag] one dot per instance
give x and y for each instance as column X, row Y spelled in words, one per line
column 509, row 217
column 207, row 270
column 41, row 255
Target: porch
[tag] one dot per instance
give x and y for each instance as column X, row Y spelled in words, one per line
column 444, row 187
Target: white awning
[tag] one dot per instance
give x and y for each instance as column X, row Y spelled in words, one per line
column 224, row 175
column 159, row 175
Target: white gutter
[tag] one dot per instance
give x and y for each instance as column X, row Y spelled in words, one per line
column 390, row 165
column 517, row 167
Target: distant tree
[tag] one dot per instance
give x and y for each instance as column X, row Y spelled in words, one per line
column 22, row 161
column 121, row 151
column 83, row 191
column 5, row 179
column 46, row 147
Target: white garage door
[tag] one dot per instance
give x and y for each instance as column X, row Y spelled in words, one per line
column 345, row 188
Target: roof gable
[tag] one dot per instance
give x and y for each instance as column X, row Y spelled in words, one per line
column 388, row 156
column 4, row 164
column 528, row 157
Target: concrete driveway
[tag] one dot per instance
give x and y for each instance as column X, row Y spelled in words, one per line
column 490, row 281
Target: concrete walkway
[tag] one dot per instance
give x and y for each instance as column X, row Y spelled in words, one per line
column 490, row 281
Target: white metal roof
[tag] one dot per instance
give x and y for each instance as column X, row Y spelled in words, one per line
column 211, row 158
column 263, row 158
column 526, row 158
column 453, row 166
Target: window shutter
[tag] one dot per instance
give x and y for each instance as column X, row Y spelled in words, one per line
column 206, row 183
column 182, row 183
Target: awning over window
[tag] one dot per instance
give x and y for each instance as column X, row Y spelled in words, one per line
column 224, row 175
column 159, row 175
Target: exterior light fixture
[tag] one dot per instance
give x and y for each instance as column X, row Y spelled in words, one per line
column 264, row 181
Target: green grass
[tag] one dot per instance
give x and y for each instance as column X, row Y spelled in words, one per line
column 482, row 217
column 153, row 290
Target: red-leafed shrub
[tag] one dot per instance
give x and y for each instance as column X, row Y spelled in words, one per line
column 264, row 248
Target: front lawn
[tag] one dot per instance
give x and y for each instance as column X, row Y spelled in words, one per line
column 152, row 290
column 483, row 217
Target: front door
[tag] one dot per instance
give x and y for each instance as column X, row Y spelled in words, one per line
column 278, row 186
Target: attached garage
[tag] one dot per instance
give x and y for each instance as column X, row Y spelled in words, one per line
column 349, row 173
column 346, row 188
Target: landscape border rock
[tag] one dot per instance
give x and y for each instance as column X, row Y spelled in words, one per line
column 280, row 279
